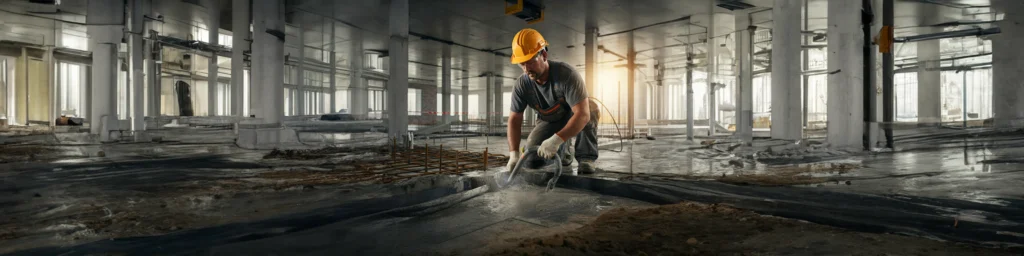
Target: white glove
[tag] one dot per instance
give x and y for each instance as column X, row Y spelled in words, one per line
column 513, row 158
column 549, row 147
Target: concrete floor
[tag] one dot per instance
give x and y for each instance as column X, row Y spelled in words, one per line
column 195, row 185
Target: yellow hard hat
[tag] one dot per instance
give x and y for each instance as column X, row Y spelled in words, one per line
column 527, row 43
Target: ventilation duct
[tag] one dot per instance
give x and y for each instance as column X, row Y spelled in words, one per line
column 733, row 5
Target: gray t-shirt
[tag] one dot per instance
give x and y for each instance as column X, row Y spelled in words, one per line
column 561, row 77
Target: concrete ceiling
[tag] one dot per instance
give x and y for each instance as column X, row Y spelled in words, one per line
column 482, row 25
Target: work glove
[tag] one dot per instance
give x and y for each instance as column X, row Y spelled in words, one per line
column 549, row 147
column 513, row 158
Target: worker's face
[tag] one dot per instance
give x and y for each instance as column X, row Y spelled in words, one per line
column 536, row 67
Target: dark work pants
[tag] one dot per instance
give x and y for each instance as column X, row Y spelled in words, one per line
column 586, row 141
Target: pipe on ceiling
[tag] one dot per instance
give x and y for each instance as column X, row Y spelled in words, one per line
column 449, row 42
column 914, row 64
column 645, row 26
column 950, row 34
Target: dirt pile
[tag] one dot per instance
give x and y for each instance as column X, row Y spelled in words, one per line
column 700, row 229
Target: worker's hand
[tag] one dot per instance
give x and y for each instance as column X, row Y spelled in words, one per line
column 549, row 147
column 513, row 158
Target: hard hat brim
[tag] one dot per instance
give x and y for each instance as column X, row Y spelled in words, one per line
column 524, row 58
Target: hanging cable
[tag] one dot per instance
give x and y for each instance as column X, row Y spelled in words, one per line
column 621, row 142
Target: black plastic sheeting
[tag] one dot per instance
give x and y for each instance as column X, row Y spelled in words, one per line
column 982, row 224
column 192, row 241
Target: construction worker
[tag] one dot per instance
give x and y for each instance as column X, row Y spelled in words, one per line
column 559, row 96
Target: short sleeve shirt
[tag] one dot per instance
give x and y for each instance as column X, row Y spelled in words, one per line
column 561, row 78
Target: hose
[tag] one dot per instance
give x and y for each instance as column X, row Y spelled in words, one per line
column 519, row 164
column 621, row 142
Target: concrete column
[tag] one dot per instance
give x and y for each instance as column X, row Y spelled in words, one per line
column 785, row 62
column 268, row 60
column 213, row 10
column 153, row 72
column 446, row 83
column 465, row 90
column 846, row 75
column 744, row 58
column 333, row 86
column 265, row 131
column 630, row 86
column 689, row 91
column 876, row 132
column 929, row 82
column 398, row 83
column 642, row 101
column 299, row 100
column 136, row 72
column 591, row 59
column 240, row 13
column 1008, row 67
column 712, row 48
column 358, row 95
column 51, row 82
column 104, row 40
column 488, row 99
column 498, row 111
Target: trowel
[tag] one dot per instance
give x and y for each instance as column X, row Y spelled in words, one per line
column 505, row 178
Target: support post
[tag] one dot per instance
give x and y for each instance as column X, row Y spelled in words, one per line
column 888, row 61
column 929, row 82
column 465, row 91
column 846, row 75
column 630, row 86
column 1007, row 80
column 137, row 74
column 744, row 55
column 104, row 41
column 358, row 94
column 398, row 83
column 870, row 119
column 213, row 9
column 299, row 100
column 332, row 90
column 446, row 83
column 240, row 13
column 786, row 101
column 689, row 92
column 712, row 50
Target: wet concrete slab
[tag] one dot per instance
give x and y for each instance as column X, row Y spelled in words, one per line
column 968, row 193
column 506, row 214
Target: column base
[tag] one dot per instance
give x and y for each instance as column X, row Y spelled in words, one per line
column 253, row 135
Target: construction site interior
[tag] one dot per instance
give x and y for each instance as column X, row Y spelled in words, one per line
column 365, row 127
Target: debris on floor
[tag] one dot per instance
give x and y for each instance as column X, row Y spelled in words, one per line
column 702, row 229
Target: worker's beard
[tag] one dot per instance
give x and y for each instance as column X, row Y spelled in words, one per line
column 532, row 75
column 535, row 76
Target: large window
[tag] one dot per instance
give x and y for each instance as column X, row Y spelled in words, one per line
column 225, row 40
column 474, row 106
column 506, row 104
column 341, row 101
column 71, row 84
column 414, row 100
column 223, row 99
column 817, row 99
column 376, row 103
column 456, row 106
column 905, row 86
